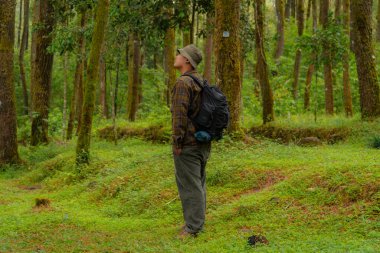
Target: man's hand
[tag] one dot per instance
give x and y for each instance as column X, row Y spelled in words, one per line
column 177, row 151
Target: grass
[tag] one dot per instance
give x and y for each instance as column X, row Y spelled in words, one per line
column 321, row 199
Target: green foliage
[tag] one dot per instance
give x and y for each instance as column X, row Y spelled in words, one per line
column 333, row 37
column 64, row 40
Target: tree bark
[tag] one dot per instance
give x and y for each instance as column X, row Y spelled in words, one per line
column 41, row 72
column 311, row 69
column 280, row 12
column 308, row 12
column 23, row 48
column 77, row 96
column 347, row 97
column 297, row 62
column 287, row 9
column 262, row 65
column 19, row 24
column 83, row 70
column 193, row 12
column 116, row 87
column 208, row 48
column 338, row 7
column 378, row 22
column 185, row 25
column 365, row 59
column 227, row 54
column 329, row 98
column 113, row 108
column 133, row 76
column 84, row 138
column 73, row 102
column 293, row 8
column 186, row 38
column 8, row 121
column 64, row 111
column 140, row 84
column 309, row 78
column 169, row 55
column 103, row 84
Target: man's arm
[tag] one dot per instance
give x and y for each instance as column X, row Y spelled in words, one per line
column 180, row 106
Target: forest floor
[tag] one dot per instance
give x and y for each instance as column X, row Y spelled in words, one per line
column 302, row 199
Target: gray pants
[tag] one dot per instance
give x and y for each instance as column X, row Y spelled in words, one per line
column 190, row 175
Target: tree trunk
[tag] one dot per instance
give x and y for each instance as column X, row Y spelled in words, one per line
column 72, row 114
column 262, row 65
column 193, row 11
column 227, row 53
column 329, row 98
column 378, row 22
column 315, row 15
column 280, row 12
column 208, row 49
column 169, row 55
column 186, row 38
column 338, row 7
column 23, row 48
column 116, row 86
column 308, row 12
column 8, row 121
column 365, row 59
column 293, row 8
column 65, row 66
column 19, row 24
column 140, row 88
column 347, row 97
column 133, row 76
column 84, row 138
column 41, row 72
column 103, row 84
column 113, row 112
column 297, row 62
column 309, row 78
column 77, row 96
column 83, row 70
column 185, row 25
column 311, row 69
column 287, row 9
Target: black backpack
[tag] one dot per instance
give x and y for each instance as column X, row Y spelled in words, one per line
column 213, row 116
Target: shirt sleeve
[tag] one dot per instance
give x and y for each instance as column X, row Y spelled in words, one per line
column 180, row 107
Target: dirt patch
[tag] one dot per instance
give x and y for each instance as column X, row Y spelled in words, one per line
column 264, row 181
column 30, row 187
column 287, row 135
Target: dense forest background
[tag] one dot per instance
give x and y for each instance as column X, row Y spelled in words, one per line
column 85, row 124
column 272, row 59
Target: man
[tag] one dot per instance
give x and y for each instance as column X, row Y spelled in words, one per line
column 190, row 156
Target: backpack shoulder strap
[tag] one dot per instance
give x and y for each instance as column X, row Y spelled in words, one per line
column 197, row 81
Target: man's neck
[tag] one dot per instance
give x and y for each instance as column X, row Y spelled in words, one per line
column 185, row 70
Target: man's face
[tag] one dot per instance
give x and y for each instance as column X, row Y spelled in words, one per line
column 180, row 61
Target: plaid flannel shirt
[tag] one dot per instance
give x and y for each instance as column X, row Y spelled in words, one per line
column 186, row 102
